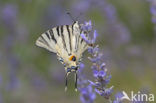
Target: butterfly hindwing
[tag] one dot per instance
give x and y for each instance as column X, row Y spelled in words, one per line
column 79, row 45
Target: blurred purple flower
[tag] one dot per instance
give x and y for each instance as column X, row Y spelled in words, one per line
column 118, row 96
column 14, row 83
column 13, row 65
column 82, row 81
column 1, row 80
column 9, row 14
column 153, row 10
column 59, row 18
column 1, row 98
column 81, row 6
column 116, row 27
column 38, row 82
column 81, row 67
column 110, row 11
column 87, row 95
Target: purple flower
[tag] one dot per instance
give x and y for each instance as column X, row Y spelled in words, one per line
column 81, row 67
column 81, row 6
column 84, row 38
column 94, row 59
column 106, row 93
column 99, row 74
column 102, row 66
column 153, row 11
column 154, row 20
column 87, row 94
column 119, row 95
column 9, row 14
column 87, row 26
column 13, row 63
column 102, row 74
column 116, row 27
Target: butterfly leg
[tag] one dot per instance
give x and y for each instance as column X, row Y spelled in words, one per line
column 66, row 77
column 76, row 80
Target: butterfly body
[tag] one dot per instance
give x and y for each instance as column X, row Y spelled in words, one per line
column 67, row 43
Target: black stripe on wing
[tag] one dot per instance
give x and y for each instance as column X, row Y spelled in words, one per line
column 79, row 37
column 57, row 29
column 69, row 35
column 47, row 35
column 63, row 39
column 43, row 40
column 52, row 36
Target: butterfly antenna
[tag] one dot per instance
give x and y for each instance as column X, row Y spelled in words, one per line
column 76, row 81
column 71, row 16
column 78, row 16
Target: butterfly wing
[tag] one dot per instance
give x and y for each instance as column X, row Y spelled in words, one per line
column 52, row 40
column 48, row 41
column 79, row 44
column 63, row 40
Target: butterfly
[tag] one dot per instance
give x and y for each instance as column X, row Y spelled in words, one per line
column 66, row 42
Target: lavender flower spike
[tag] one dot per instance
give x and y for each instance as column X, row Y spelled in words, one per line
column 100, row 73
column 101, row 77
column 87, row 94
column 98, row 66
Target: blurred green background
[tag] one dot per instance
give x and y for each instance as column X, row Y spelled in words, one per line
column 29, row 74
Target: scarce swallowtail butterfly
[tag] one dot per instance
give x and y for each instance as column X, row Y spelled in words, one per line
column 67, row 43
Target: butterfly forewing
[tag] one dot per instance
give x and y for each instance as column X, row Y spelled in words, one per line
column 45, row 41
